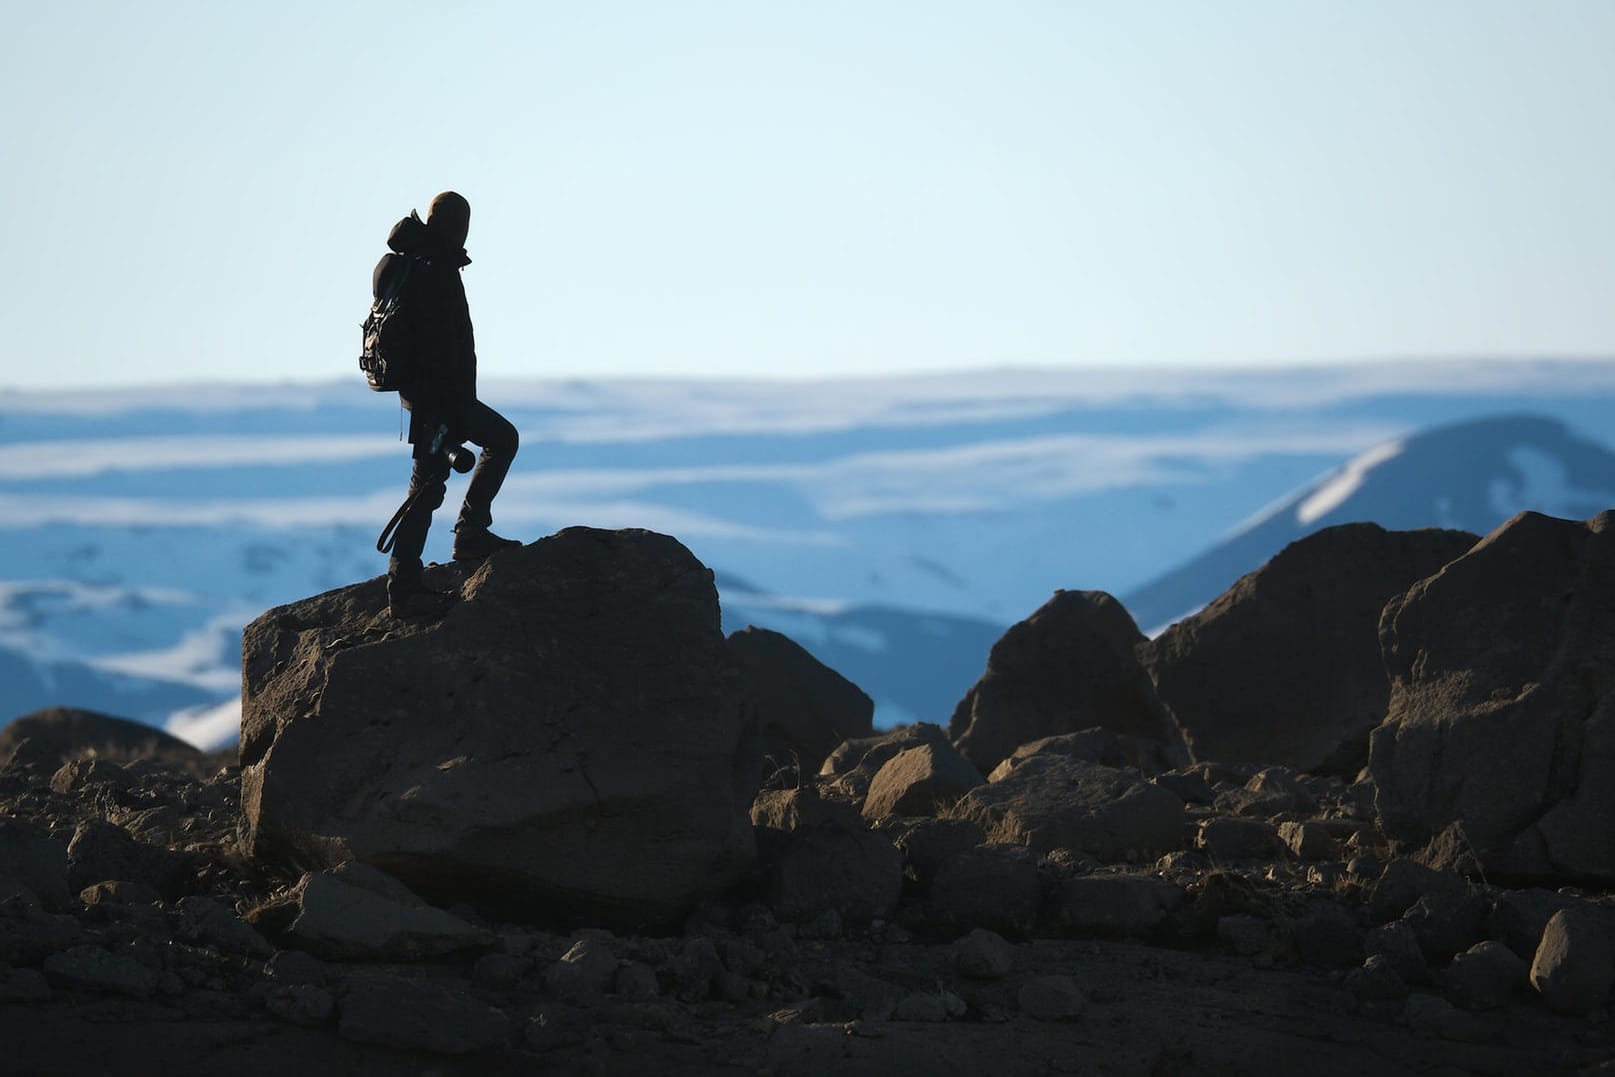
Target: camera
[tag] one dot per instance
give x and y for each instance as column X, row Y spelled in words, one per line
column 460, row 458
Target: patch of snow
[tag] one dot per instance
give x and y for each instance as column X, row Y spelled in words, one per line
column 37, row 460
column 1544, row 486
column 208, row 659
column 208, row 727
column 1347, row 481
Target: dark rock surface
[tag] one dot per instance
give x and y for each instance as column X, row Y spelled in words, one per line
column 1502, row 713
column 1069, row 666
column 805, row 708
column 570, row 734
column 1285, row 666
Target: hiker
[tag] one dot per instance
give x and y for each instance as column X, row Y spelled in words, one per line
column 442, row 401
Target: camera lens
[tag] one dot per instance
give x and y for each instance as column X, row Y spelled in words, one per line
column 460, row 459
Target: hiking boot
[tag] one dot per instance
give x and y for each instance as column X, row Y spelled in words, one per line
column 409, row 601
column 477, row 543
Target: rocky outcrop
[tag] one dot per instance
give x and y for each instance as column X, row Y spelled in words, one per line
column 569, row 736
column 48, row 738
column 1501, row 726
column 1057, row 802
column 922, row 780
column 804, row 707
column 1285, row 667
column 1069, row 666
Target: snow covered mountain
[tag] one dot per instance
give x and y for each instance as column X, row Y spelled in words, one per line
column 1470, row 476
column 893, row 526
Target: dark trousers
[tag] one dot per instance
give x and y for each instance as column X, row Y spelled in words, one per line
column 428, row 481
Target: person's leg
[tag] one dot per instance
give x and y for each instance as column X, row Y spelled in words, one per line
column 499, row 440
column 427, row 484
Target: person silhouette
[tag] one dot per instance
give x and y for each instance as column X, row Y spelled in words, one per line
column 441, row 398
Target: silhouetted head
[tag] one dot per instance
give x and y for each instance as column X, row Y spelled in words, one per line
column 450, row 218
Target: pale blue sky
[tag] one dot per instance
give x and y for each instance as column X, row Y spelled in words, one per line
column 199, row 190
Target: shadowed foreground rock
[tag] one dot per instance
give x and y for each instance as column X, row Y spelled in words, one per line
column 1285, row 667
column 804, row 708
column 1502, row 717
column 1069, row 666
column 569, row 736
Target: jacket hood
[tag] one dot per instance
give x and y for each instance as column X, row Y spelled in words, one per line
column 413, row 237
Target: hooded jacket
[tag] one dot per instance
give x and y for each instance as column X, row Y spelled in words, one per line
column 439, row 324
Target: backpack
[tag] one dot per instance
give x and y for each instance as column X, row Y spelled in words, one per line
column 387, row 356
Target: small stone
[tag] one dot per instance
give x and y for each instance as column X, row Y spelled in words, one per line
column 1309, row 841
column 1403, row 883
column 1052, row 998
column 584, row 971
column 1485, row 976
column 1376, row 981
column 983, row 955
column 119, row 892
column 922, row 1006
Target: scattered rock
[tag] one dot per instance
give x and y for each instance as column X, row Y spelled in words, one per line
column 101, row 851
column 929, row 844
column 993, row 886
column 983, row 955
column 789, row 809
column 924, row 780
column 804, row 707
column 1309, row 841
column 1285, row 666
column 35, row 860
column 854, row 763
column 570, row 735
column 857, row 873
column 1117, row 905
column 1376, row 981
column 1328, row 936
column 1485, row 976
column 120, row 892
column 1222, row 838
column 1053, row 802
column 358, row 913
column 1052, row 998
column 585, row 971
column 94, row 968
column 1574, row 966
column 1070, row 666
column 1097, row 745
column 1503, row 672
column 1403, row 882
column 23, row 985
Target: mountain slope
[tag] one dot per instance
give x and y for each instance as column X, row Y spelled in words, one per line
column 1470, row 476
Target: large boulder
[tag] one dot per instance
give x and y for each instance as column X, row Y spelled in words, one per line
column 804, row 707
column 48, row 738
column 1068, row 667
column 1285, row 667
column 1502, row 711
column 569, row 738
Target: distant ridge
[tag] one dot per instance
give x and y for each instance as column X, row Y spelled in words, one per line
column 1470, row 476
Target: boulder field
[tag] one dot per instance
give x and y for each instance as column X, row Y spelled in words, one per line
column 571, row 828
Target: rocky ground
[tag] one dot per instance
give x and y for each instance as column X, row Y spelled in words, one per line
column 570, row 827
column 1279, row 940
